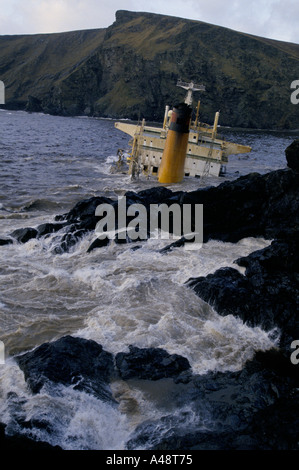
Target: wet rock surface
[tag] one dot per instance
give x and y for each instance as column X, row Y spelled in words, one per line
column 23, row 235
column 292, row 155
column 267, row 295
column 230, row 411
column 19, row 442
column 254, row 408
column 5, row 241
column 251, row 206
column 46, row 229
column 81, row 363
column 150, row 363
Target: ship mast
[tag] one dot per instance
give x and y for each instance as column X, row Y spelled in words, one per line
column 190, row 87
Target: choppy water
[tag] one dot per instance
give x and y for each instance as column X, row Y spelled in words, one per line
column 114, row 295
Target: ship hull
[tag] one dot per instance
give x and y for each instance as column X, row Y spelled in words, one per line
column 150, row 161
column 181, row 147
column 205, row 154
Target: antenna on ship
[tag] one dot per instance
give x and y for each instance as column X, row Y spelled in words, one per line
column 190, row 87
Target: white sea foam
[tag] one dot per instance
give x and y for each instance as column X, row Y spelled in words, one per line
column 113, row 295
column 71, row 419
column 142, row 300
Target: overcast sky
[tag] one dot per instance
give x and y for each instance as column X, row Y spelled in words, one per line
column 277, row 19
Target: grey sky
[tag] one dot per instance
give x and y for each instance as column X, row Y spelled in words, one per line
column 277, row 19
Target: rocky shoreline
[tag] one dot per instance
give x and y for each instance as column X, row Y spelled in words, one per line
column 252, row 409
column 255, row 408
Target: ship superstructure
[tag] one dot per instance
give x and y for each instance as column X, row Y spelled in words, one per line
column 206, row 154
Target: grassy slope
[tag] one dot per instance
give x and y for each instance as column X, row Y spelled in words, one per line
column 243, row 74
column 30, row 64
column 133, row 65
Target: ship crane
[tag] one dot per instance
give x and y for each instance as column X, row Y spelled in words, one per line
column 194, row 147
column 190, row 87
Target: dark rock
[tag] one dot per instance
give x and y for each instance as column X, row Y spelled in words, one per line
column 135, row 248
column 34, row 105
column 5, row 241
column 60, row 217
column 266, row 296
column 23, row 235
column 292, row 155
column 98, row 243
column 70, row 239
column 47, row 228
column 19, row 442
column 156, row 195
column 281, row 256
column 224, row 290
column 78, row 222
column 262, row 432
column 176, row 244
column 225, row 410
column 72, row 234
column 78, row 362
column 251, row 206
column 150, row 364
column 86, row 209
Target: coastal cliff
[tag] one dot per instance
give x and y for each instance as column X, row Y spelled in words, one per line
column 130, row 70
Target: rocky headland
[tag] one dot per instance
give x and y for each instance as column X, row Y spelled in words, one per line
column 130, row 70
column 255, row 408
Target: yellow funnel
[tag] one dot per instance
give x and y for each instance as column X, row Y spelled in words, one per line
column 173, row 159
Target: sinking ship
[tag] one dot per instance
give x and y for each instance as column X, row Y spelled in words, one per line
column 179, row 148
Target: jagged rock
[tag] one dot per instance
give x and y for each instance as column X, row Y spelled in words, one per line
column 34, row 105
column 23, row 235
column 251, row 206
column 98, row 243
column 262, row 432
column 266, row 296
column 68, row 241
column 292, row 155
column 150, row 364
column 156, row 195
column 111, row 76
column 84, row 210
column 18, row 442
column 45, row 229
column 225, row 409
column 78, row 362
column 5, row 241
column 175, row 244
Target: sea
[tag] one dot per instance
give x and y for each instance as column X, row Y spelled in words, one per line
column 113, row 295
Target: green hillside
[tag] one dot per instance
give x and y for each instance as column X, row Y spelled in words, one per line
column 131, row 68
